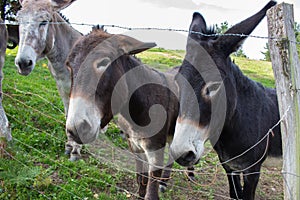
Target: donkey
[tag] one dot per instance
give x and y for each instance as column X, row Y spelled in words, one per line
column 107, row 80
column 13, row 35
column 220, row 104
column 41, row 37
column 4, row 125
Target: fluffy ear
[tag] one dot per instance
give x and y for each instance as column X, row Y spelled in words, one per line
column 21, row 1
column 133, row 46
column 198, row 25
column 229, row 44
column 60, row 4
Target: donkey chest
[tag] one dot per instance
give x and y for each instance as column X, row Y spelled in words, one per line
column 234, row 164
column 237, row 158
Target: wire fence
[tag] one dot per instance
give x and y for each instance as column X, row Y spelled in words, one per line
column 155, row 29
column 99, row 160
column 102, row 159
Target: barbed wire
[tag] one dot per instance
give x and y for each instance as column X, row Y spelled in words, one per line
column 133, row 172
column 173, row 30
column 157, row 29
column 69, row 169
column 24, row 165
column 106, row 160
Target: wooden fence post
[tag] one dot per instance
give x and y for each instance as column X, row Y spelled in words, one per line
column 286, row 69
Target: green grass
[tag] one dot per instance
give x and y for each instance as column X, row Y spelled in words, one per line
column 260, row 71
column 35, row 166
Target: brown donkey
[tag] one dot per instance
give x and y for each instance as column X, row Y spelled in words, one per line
column 4, row 125
column 45, row 33
column 107, row 80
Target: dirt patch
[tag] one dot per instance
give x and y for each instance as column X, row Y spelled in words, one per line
column 211, row 183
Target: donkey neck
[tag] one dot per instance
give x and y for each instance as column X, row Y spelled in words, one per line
column 147, row 87
column 245, row 97
column 142, row 75
column 243, row 83
column 64, row 37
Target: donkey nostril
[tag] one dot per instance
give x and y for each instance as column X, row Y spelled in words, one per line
column 30, row 63
column 71, row 133
column 190, row 156
column 23, row 63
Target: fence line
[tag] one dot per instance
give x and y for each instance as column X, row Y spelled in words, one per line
column 14, row 158
column 33, row 94
column 173, row 170
column 171, row 30
column 98, row 161
column 160, row 167
column 69, row 169
column 155, row 29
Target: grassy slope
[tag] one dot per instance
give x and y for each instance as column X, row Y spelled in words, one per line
column 36, row 167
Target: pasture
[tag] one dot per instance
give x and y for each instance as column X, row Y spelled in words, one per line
column 34, row 165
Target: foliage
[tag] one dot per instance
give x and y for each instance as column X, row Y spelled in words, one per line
column 222, row 28
column 267, row 55
column 240, row 53
column 9, row 9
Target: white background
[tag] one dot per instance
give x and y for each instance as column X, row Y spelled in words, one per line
column 171, row 14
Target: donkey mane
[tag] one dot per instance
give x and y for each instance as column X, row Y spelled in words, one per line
column 209, row 33
column 88, row 43
column 247, row 82
column 64, row 17
column 210, row 30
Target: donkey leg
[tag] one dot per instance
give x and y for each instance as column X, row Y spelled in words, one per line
column 75, row 154
column 63, row 83
column 165, row 176
column 72, row 149
column 235, row 187
column 141, row 168
column 68, row 147
column 191, row 175
column 156, row 160
column 250, row 184
column 141, row 177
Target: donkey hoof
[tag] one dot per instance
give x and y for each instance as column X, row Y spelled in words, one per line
column 162, row 188
column 74, row 158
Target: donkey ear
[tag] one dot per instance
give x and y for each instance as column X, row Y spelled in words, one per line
column 229, row 44
column 60, row 4
column 198, row 25
column 133, row 46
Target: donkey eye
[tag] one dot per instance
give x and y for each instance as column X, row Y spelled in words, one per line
column 105, row 62
column 211, row 89
column 43, row 23
column 207, row 92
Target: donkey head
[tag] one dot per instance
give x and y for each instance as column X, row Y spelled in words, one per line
column 207, row 86
column 96, row 68
column 36, row 36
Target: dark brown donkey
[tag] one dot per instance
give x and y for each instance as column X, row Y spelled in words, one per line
column 107, row 80
column 4, row 125
column 220, row 104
